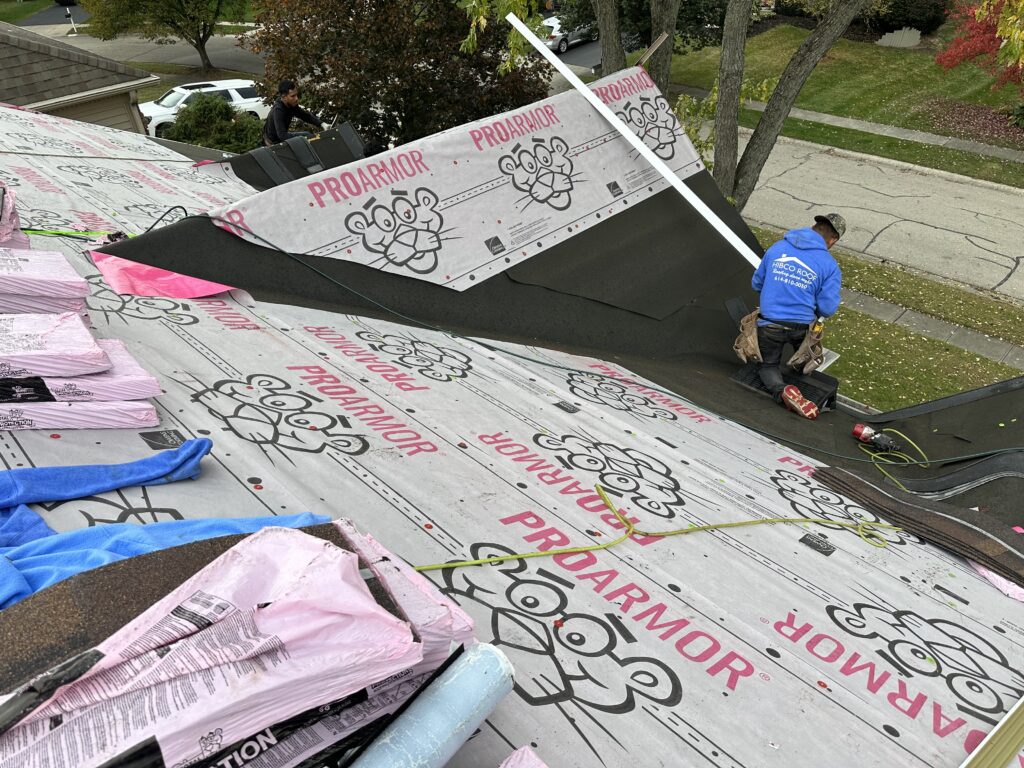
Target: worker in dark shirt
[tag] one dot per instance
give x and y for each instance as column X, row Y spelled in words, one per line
column 285, row 109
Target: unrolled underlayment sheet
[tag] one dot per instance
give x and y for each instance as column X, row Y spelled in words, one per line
column 461, row 206
column 69, row 175
column 761, row 647
column 774, row 645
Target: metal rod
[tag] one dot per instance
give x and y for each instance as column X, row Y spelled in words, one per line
column 691, row 197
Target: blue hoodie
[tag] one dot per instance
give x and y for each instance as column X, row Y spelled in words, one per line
column 798, row 279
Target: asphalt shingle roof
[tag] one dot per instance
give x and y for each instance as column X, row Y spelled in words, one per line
column 34, row 68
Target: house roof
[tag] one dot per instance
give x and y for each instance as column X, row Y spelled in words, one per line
column 35, row 69
column 775, row 645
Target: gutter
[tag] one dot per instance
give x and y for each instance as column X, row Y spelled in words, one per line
column 107, row 90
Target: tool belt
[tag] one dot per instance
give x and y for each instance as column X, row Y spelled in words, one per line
column 808, row 356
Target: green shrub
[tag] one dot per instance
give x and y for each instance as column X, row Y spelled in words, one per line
column 791, row 8
column 210, row 121
column 1017, row 115
column 923, row 15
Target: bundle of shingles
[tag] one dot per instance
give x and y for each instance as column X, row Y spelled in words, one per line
column 298, row 664
column 53, row 373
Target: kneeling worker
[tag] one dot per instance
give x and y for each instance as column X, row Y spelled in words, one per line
column 799, row 281
column 285, row 109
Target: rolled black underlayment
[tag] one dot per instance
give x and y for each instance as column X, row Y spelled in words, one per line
column 971, row 534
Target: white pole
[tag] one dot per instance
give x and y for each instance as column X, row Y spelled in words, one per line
column 691, row 197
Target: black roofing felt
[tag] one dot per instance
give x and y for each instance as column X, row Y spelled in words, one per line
column 34, row 68
column 645, row 289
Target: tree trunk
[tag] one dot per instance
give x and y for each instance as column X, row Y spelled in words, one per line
column 613, row 58
column 200, row 46
column 793, row 78
column 730, row 82
column 663, row 19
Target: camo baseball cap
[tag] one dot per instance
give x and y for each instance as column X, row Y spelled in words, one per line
column 837, row 222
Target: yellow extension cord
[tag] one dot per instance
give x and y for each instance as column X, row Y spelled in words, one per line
column 866, row 530
column 898, row 458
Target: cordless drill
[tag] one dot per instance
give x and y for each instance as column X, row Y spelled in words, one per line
column 873, row 437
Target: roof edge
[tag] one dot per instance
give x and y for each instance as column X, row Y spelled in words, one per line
column 107, row 90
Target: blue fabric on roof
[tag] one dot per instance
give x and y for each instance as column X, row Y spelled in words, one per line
column 32, row 556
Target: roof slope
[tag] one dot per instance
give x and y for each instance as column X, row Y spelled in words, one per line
column 783, row 646
column 34, row 68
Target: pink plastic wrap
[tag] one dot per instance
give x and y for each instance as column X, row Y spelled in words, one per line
column 48, row 345
column 39, row 273
column 280, row 623
column 1001, row 583
column 125, row 380
column 130, row 277
column 128, row 414
column 441, row 624
column 11, row 235
column 524, row 757
column 11, row 304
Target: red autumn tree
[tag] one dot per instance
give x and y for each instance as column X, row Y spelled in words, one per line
column 978, row 42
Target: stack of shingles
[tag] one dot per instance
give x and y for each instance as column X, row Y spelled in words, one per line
column 301, row 664
column 53, row 373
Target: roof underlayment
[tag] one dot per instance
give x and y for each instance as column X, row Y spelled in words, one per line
column 774, row 645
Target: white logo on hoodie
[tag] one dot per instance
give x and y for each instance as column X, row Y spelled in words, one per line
column 790, row 270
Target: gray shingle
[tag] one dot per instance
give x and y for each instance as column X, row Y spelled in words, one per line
column 34, row 68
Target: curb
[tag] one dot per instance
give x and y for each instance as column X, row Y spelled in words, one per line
column 898, row 164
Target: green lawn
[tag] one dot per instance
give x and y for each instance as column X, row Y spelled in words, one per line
column 922, row 368
column 989, row 314
column 12, row 11
column 928, row 155
column 176, row 74
column 858, row 80
column 887, row 367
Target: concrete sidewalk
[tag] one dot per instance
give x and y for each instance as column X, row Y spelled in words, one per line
column 926, row 325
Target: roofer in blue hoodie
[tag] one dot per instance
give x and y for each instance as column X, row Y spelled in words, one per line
column 799, row 282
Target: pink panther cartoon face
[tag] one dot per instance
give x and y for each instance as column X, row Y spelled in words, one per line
column 654, row 122
column 544, row 174
column 406, row 233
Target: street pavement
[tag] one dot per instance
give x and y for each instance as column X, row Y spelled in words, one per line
column 224, row 51
column 55, row 15
column 947, row 225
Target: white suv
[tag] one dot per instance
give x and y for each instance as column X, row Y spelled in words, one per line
column 160, row 114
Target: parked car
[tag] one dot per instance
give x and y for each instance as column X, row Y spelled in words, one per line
column 160, row 114
column 560, row 40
